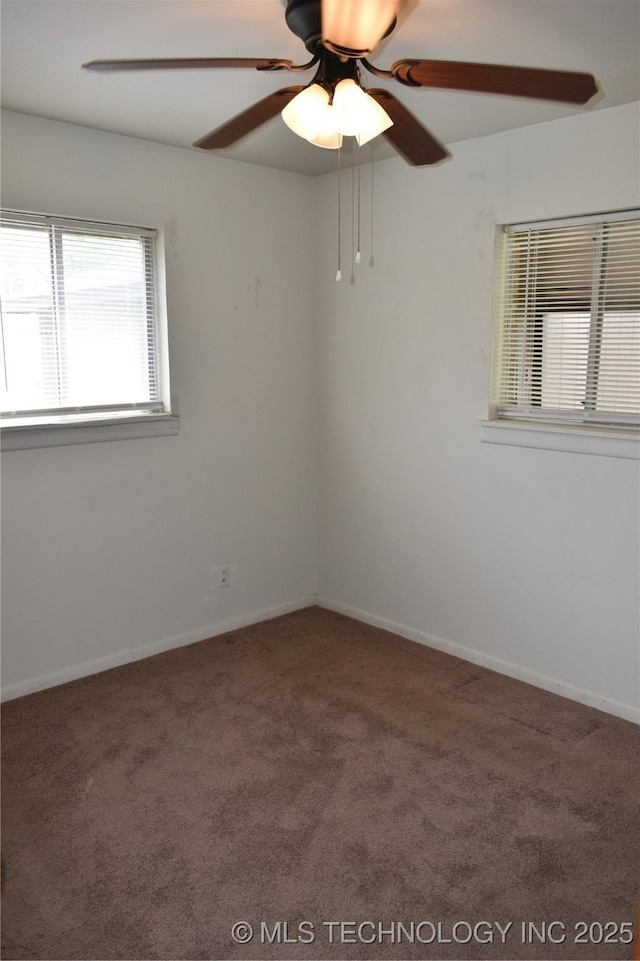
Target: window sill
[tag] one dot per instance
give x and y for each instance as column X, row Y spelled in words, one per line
column 573, row 439
column 15, row 437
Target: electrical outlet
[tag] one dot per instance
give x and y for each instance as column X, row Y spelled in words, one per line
column 224, row 575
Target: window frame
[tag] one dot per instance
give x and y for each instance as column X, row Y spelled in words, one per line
column 531, row 425
column 64, row 426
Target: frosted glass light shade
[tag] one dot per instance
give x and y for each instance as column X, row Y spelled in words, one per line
column 327, row 136
column 307, row 112
column 356, row 26
column 353, row 113
column 356, row 114
column 310, row 116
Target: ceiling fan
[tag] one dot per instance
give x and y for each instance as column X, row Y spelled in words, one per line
column 340, row 35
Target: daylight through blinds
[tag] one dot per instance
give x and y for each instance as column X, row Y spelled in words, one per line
column 569, row 344
column 79, row 329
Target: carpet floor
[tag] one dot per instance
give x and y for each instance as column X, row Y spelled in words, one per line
column 343, row 791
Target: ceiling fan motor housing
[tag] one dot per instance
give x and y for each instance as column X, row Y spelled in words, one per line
column 304, row 18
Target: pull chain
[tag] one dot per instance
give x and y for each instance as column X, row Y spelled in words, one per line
column 358, row 257
column 352, row 245
column 371, row 260
column 339, row 273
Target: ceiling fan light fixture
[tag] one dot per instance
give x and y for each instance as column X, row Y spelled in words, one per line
column 354, row 28
column 309, row 112
column 357, row 114
column 338, row 34
column 352, row 113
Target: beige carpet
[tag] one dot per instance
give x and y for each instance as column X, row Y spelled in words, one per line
column 379, row 799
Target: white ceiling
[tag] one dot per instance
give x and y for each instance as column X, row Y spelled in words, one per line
column 44, row 43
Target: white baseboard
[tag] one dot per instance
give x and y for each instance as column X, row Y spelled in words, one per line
column 148, row 650
column 626, row 711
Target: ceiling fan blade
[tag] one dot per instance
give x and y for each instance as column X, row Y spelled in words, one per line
column 562, row 85
column 408, row 136
column 248, row 120
column 187, row 63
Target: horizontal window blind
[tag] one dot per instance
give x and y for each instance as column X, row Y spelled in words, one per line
column 79, row 318
column 568, row 344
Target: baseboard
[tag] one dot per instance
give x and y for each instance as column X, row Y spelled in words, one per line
column 148, row 650
column 626, row 711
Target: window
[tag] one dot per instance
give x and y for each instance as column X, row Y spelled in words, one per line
column 567, row 343
column 81, row 333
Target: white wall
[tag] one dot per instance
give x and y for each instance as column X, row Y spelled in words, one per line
column 526, row 560
column 523, row 559
column 109, row 547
